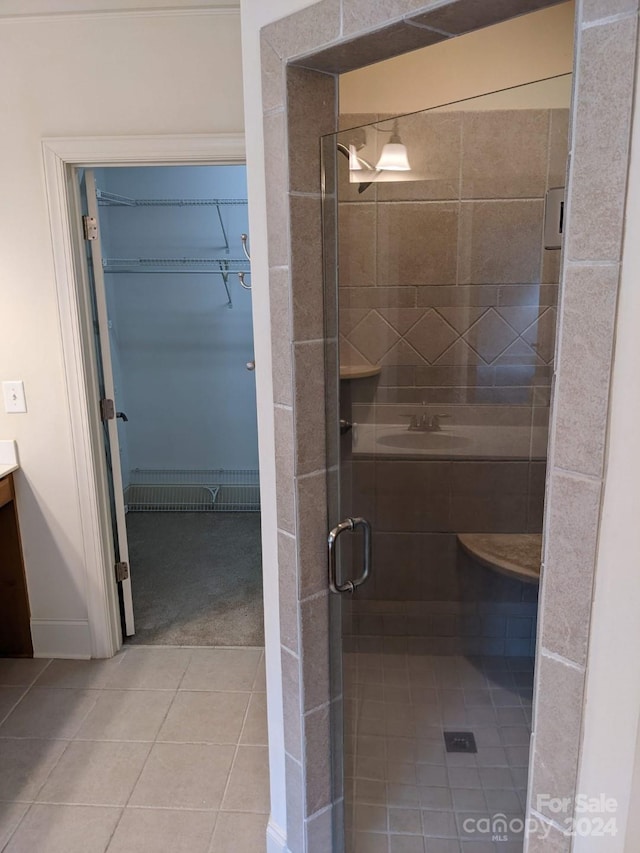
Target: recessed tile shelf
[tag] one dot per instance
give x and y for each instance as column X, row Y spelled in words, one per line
column 514, row 554
column 359, row 371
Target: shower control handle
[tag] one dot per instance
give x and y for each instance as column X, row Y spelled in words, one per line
column 349, row 524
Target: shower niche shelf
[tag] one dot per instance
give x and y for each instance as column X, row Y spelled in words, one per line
column 517, row 555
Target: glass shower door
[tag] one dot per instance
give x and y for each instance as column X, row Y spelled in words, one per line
column 441, row 283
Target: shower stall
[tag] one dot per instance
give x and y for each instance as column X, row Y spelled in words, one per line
column 441, row 285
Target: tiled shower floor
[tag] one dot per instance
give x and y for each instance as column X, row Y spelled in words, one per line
column 404, row 793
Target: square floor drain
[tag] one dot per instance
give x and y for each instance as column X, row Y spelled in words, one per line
column 460, row 742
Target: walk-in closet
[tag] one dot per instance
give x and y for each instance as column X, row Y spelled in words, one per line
column 175, row 275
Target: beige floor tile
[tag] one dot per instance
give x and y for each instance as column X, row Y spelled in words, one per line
column 154, row 830
column 25, row 765
column 184, row 775
column 406, row 844
column 222, row 669
column 198, row 717
column 145, row 668
column 369, row 842
column 439, row 824
column 260, row 683
column 95, row 773
column 9, row 696
column 10, row 816
column 21, row 670
column 371, row 818
column 64, row 829
column 79, row 673
column 248, row 788
column 49, row 713
column 126, row 715
column 450, row 845
column 240, row 833
column 255, row 725
column 408, row 821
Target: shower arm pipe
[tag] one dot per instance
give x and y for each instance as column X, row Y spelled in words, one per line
column 364, row 185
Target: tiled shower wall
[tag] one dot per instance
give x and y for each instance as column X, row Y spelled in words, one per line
column 445, row 283
column 454, row 298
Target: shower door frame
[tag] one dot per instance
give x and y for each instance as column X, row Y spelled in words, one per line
column 301, row 58
column 101, row 637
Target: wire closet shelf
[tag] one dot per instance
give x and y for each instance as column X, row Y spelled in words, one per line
column 222, row 266
column 199, row 490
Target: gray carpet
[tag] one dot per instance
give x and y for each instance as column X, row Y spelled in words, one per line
column 196, row 578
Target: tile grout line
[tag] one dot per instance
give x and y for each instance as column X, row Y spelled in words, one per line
column 146, row 760
column 104, row 691
column 177, row 691
column 68, row 740
column 258, row 672
column 231, row 768
column 459, row 682
column 26, row 689
column 18, row 825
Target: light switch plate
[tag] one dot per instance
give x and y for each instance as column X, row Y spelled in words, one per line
column 14, row 399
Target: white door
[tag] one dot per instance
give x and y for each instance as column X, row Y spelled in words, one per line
column 108, row 393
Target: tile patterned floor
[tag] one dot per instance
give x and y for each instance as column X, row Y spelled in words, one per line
column 404, row 793
column 158, row 749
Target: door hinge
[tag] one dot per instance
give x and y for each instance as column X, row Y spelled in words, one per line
column 122, row 571
column 107, row 409
column 90, row 227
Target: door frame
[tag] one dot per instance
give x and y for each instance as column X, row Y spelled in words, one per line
column 62, row 155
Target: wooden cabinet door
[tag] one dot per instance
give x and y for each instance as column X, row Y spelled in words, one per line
column 15, row 618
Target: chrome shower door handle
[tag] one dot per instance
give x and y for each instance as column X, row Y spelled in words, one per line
column 349, row 524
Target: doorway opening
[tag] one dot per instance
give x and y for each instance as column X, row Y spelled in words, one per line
column 169, row 274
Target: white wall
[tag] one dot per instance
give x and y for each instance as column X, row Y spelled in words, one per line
column 81, row 75
column 255, row 15
column 181, row 350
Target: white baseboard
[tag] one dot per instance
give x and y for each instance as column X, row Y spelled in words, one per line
column 276, row 841
column 61, row 639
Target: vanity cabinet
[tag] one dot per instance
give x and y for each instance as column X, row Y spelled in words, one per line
column 15, row 629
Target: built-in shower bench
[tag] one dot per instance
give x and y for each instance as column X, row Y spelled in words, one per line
column 515, row 554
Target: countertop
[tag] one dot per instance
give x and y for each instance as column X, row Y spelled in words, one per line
column 8, row 458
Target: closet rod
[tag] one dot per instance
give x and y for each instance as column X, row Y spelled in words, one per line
column 115, row 200
column 172, row 265
column 163, row 271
